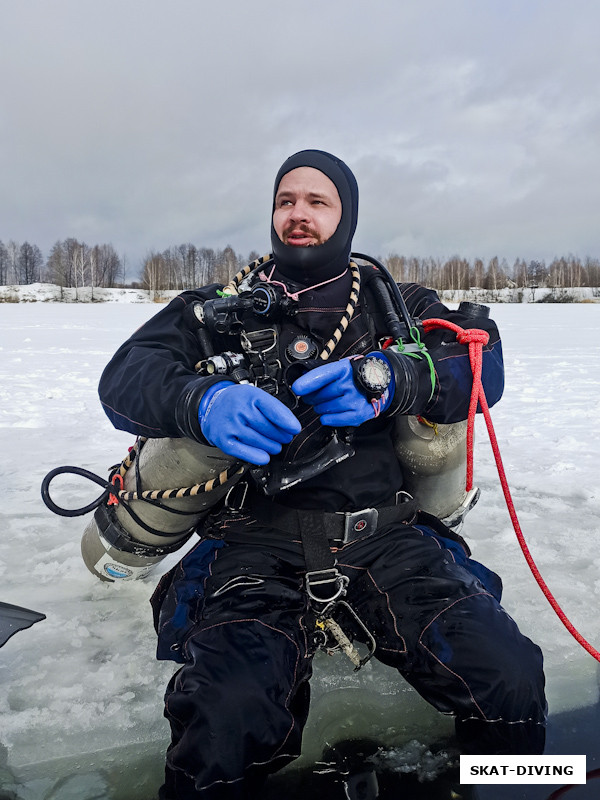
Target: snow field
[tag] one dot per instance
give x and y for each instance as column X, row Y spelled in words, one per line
column 86, row 678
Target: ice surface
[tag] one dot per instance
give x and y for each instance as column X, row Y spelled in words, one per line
column 86, row 680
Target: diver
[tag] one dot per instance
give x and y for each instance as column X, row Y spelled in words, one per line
column 300, row 371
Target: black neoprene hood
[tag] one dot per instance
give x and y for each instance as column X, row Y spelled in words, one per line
column 323, row 261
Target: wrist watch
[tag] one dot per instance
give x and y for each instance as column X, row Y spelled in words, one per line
column 374, row 376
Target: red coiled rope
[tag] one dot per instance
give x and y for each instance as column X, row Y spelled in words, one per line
column 476, row 339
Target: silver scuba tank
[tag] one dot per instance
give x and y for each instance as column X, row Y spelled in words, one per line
column 434, row 464
column 118, row 546
column 434, row 457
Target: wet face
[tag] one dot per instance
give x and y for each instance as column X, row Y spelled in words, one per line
column 308, row 208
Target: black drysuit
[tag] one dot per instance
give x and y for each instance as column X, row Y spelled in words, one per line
column 234, row 612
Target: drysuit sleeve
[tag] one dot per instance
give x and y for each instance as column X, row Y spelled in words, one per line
column 448, row 399
column 149, row 387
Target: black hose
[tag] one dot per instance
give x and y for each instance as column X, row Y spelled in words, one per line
column 410, row 322
column 397, row 330
column 109, row 489
column 84, row 473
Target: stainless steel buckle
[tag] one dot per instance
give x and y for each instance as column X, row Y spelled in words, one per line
column 359, row 523
column 234, row 501
column 321, row 577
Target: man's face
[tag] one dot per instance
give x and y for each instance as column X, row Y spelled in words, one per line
column 308, row 208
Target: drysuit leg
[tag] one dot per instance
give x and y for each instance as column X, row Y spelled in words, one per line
column 437, row 618
column 238, row 705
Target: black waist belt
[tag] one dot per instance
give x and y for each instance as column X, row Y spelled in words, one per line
column 340, row 527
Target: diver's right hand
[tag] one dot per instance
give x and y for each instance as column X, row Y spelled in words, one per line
column 246, row 422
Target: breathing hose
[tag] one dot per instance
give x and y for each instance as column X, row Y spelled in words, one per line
column 393, row 286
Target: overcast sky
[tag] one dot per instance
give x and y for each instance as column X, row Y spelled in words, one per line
column 473, row 126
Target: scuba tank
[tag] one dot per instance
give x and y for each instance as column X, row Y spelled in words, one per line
column 433, row 457
column 126, row 540
column 136, row 524
column 434, row 462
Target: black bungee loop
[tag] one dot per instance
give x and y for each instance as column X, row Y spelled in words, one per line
column 84, row 473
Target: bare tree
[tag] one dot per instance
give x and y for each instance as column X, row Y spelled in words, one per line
column 592, row 268
column 207, row 259
column 57, row 267
column 477, row 273
column 123, row 270
column 29, row 263
column 189, row 260
column 537, row 273
column 4, row 263
column 492, row 274
column 520, row 272
column 154, row 272
column 106, row 265
column 80, row 265
column 71, row 246
column 228, row 264
column 12, row 249
column 397, row 266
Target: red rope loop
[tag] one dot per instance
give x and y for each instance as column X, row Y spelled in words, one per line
column 476, row 339
column 474, row 335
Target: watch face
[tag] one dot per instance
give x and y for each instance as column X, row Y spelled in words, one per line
column 375, row 374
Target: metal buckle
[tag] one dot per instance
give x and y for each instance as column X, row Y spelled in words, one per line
column 258, row 342
column 321, row 577
column 403, row 497
column 234, row 502
column 357, row 523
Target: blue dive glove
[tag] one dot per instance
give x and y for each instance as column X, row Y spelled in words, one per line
column 335, row 392
column 246, row 422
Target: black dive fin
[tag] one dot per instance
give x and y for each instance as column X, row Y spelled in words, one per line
column 15, row 618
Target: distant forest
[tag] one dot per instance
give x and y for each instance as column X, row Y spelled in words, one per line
column 71, row 264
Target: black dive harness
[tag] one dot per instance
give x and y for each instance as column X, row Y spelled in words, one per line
column 251, row 311
column 325, row 585
column 321, row 533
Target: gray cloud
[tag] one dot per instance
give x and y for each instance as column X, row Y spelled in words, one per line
column 473, row 127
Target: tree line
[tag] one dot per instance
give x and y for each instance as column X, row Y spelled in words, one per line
column 460, row 273
column 186, row 266
column 73, row 264
column 70, row 264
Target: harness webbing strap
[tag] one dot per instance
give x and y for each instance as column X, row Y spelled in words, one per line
column 317, row 551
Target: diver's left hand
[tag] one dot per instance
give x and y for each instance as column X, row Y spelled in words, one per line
column 332, row 392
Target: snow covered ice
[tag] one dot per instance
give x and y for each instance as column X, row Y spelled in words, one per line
column 86, row 680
